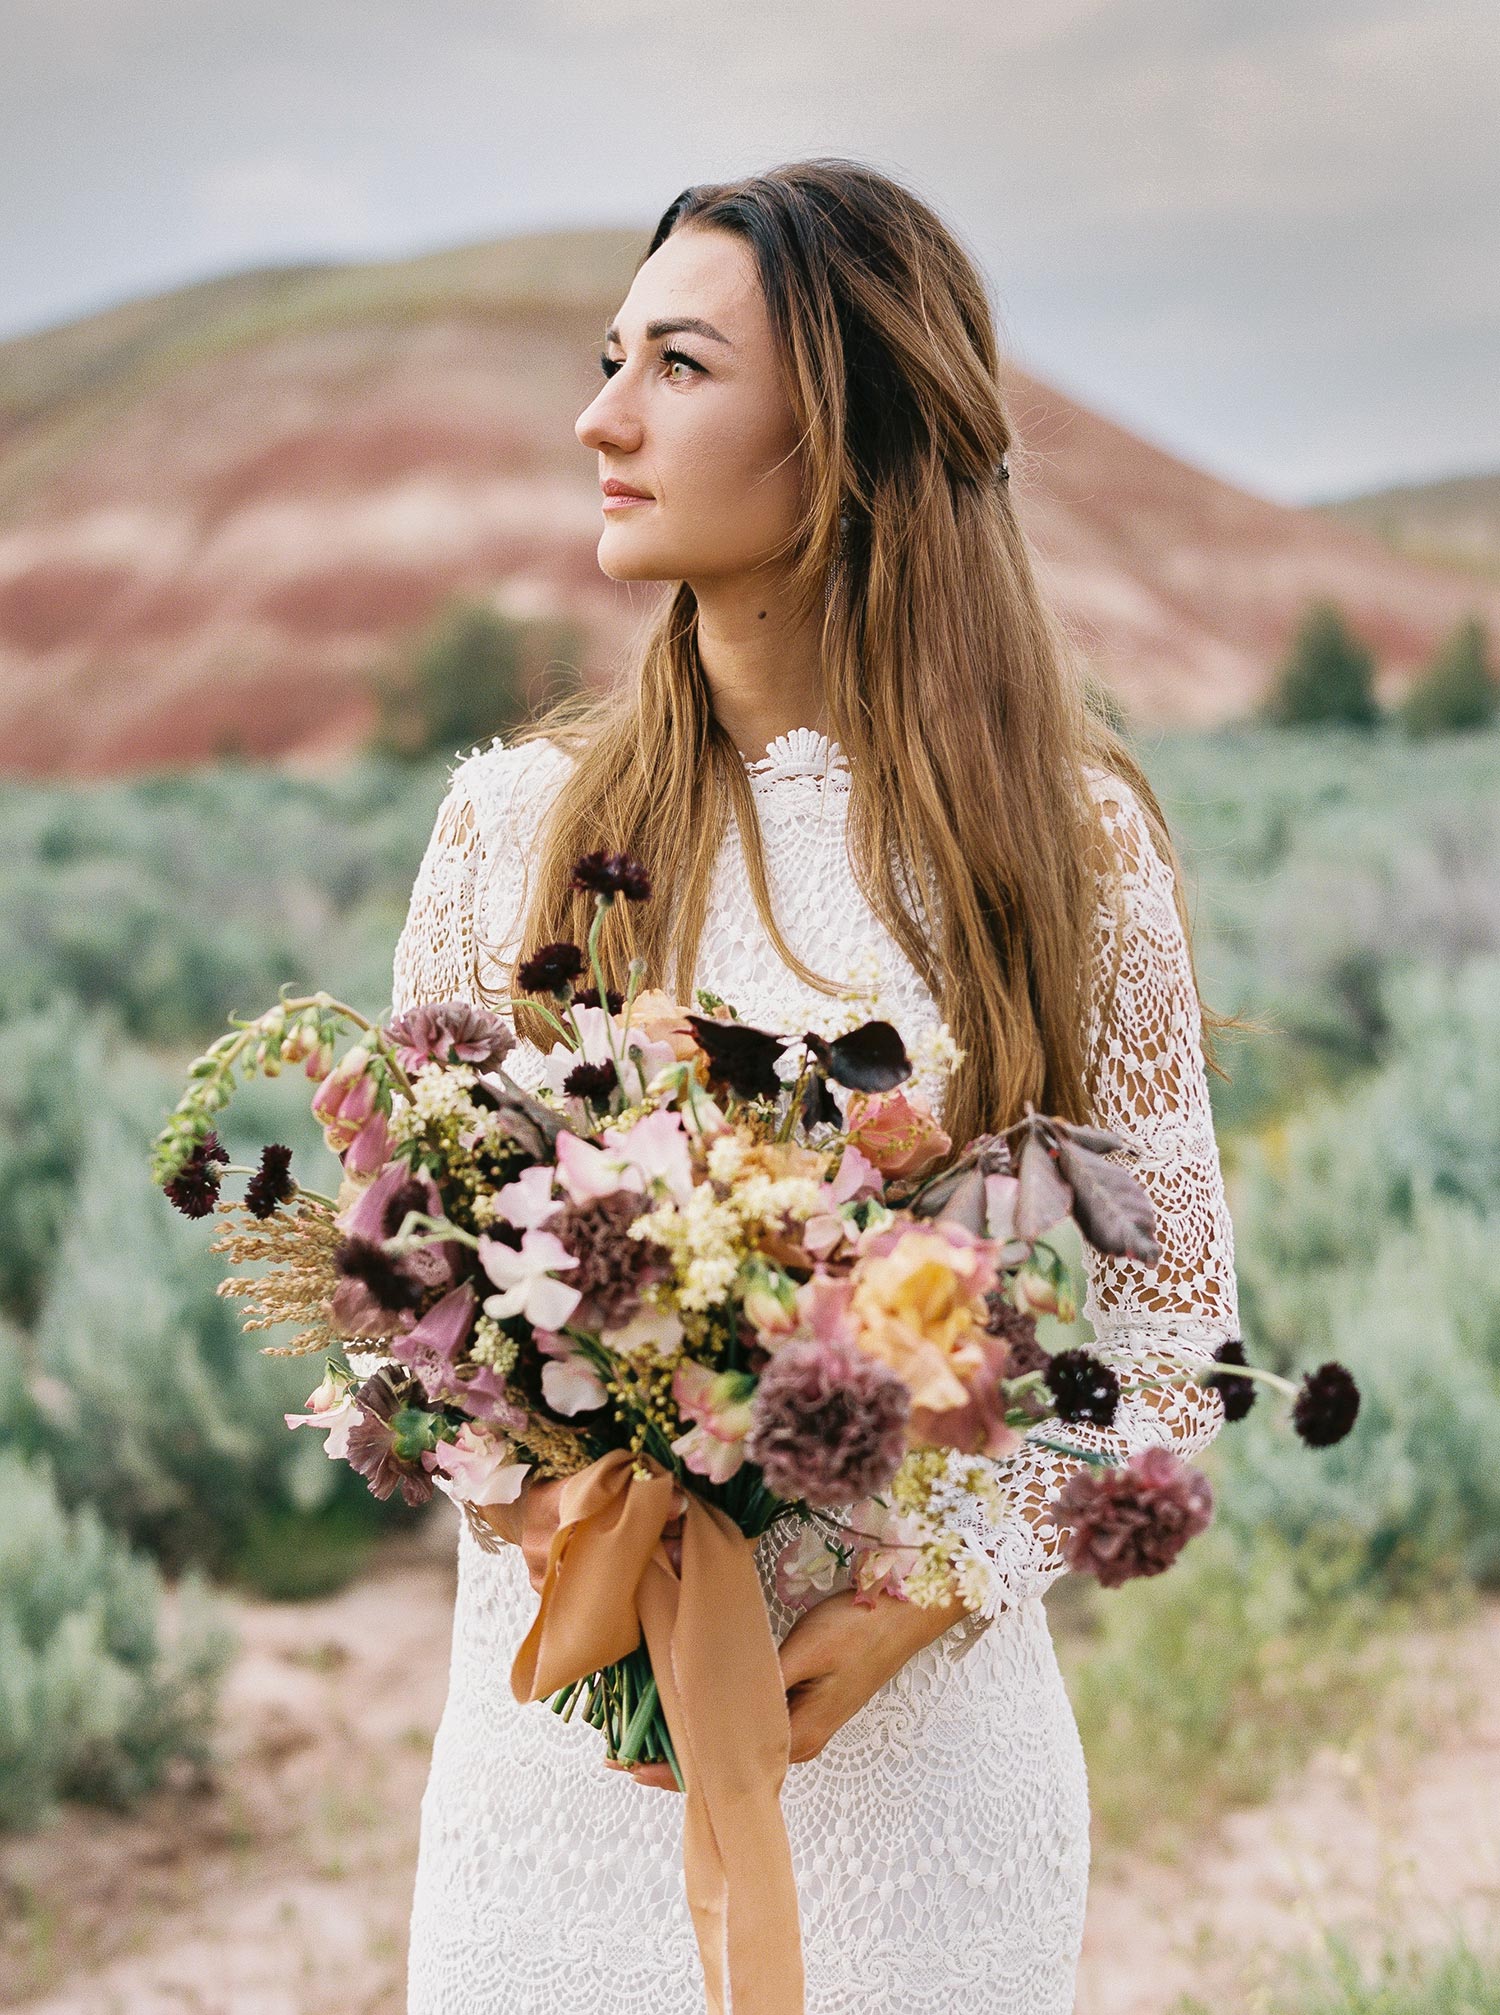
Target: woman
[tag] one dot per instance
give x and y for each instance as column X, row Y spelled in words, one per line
column 853, row 748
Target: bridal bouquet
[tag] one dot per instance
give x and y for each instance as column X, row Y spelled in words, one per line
column 687, row 1275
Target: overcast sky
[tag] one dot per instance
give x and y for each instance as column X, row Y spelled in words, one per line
column 1265, row 233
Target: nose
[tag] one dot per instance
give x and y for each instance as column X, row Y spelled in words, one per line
column 609, row 421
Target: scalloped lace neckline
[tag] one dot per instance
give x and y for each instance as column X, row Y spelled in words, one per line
column 800, row 752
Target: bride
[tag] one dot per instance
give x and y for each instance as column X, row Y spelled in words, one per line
column 855, row 753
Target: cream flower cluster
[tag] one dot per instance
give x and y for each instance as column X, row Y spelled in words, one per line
column 710, row 1237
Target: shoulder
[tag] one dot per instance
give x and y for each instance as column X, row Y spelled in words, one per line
column 1129, row 850
column 499, row 788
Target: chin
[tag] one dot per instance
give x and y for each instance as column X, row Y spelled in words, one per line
column 620, row 563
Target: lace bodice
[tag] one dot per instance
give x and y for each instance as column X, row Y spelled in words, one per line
column 1148, row 1322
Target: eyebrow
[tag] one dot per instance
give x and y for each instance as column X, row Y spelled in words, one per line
column 683, row 325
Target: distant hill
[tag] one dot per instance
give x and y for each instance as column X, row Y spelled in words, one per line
column 221, row 507
column 1455, row 522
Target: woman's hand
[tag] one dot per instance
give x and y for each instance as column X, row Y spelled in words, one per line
column 840, row 1654
column 530, row 1523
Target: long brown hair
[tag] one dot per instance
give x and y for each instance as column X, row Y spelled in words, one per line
column 948, row 684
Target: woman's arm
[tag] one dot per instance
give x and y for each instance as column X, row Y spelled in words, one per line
column 1148, row 1321
column 1153, row 1092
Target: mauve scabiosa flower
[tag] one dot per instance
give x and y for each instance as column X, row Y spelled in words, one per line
column 1238, row 1394
column 1326, row 1405
column 272, row 1182
column 552, row 970
column 1133, row 1519
column 612, row 1266
column 593, row 1081
column 194, row 1190
column 610, row 875
column 449, row 1032
column 829, row 1422
column 1084, row 1387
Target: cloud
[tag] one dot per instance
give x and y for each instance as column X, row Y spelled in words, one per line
column 273, row 202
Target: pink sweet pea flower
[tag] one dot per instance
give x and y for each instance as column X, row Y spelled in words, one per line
column 720, row 1405
column 477, row 1468
column 657, row 1148
column 586, row 1171
column 807, row 1568
column 331, row 1407
column 886, row 1546
column 525, row 1279
column 528, row 1202
column 856, row 1176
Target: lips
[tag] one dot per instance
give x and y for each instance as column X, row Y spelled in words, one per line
column 618, row 494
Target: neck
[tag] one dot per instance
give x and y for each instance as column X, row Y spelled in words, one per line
column 763, row 667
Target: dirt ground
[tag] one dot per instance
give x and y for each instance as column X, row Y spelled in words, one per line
column 283, row 1886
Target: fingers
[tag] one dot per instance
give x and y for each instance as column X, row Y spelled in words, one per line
column 808, row 1735
column 657, row 1775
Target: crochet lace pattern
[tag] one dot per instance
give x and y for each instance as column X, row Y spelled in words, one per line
column 941, row 1839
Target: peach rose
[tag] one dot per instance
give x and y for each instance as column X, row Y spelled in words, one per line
column 918, row 1307
column 895, row 1131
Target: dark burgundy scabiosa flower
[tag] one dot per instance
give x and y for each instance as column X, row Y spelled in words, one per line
column 552, row 970
column 448, row 1032
column 589, row 997
column 194, row 1190
column 272, row 1182
column 612, row 1266
column 1133, row 1519
column 1326, row 1405
column 739, row 1057
column 1238, row 1394
column 1016, row 1329
column 593, row 1081
column 388, row 1283
column 1084, row 1387
column 610, row 875
column 829, row 1422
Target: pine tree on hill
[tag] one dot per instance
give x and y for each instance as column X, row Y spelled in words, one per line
column 1459, row 690
column 1327, row 678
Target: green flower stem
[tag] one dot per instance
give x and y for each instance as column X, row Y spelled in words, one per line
column 601, row 904
column 417, row 1228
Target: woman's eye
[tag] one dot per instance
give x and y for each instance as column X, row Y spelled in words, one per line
column 670, row 357
column 609, row 365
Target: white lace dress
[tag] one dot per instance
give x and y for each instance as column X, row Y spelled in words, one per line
column 941, row 1840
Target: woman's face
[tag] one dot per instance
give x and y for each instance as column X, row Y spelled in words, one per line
column 694, row 417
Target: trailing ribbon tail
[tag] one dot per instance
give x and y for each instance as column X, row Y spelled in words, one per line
column 608, row 1582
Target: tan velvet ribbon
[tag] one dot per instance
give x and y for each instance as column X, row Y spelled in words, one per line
column 608, row 1581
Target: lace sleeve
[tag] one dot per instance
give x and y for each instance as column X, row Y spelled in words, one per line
column 434, row 955
column 1148, row 1321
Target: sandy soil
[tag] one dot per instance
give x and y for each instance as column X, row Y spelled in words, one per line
column 282, row 1886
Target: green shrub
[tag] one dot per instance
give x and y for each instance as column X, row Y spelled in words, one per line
column 94, row 1704
column 1460, row 691
column 158, row 1408
column 1459, row 1978
column 1198, row 1689
column 1327, row 676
